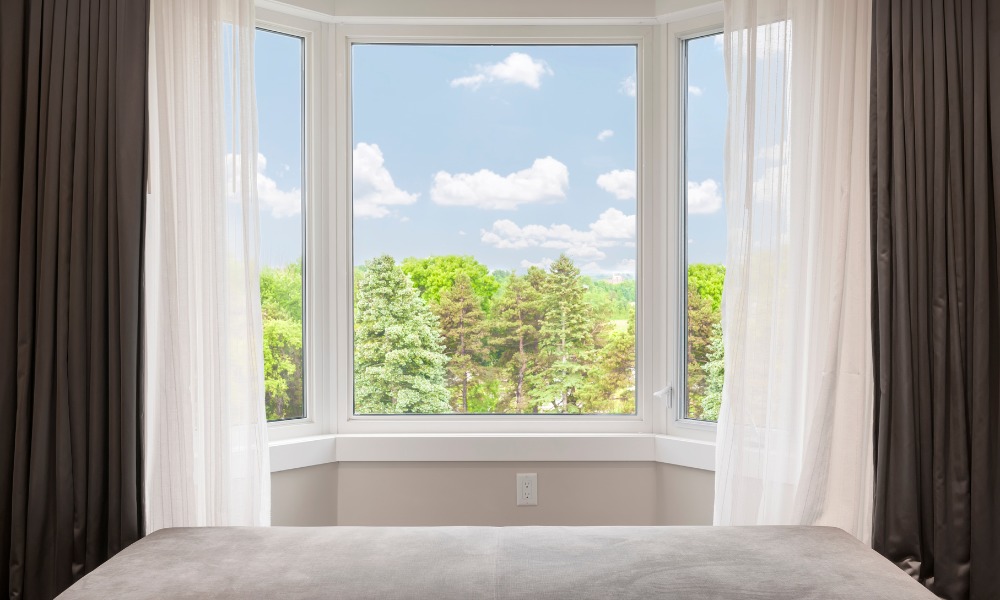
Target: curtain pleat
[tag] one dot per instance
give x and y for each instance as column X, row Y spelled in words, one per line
column 935, row 155
column 72, row 190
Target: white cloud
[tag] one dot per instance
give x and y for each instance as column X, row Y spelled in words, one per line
column 694, row 90
column 703, row 198
column 545, row 263
column 517, row 68
column 628, row 86
column 620, row 183
column 280, row 203
column 461, row 232
column 374, row 190
column 622, row 267
column 612, row 228
column 604, row 134
column 545, row 180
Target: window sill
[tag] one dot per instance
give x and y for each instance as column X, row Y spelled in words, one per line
column 316, row 450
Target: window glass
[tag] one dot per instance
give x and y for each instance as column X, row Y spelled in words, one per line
column 494, row 229
column 279, row 82
column 705, row 123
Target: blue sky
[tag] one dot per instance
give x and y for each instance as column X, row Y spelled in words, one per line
column 512, row 154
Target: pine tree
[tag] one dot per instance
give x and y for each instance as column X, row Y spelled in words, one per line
column 399, row 360
column 516, row 321
column 462, row 325
column 566, row 340
column 611, row 383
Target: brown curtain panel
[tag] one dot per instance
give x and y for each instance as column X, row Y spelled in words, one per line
column 72, row 191
column 935, row 160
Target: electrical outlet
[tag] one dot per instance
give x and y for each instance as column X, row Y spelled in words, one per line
column 527, row 489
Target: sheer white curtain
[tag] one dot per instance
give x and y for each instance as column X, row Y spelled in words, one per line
column 206, row 454
column 795, row 432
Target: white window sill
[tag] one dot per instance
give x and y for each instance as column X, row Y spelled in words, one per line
column 315, row 450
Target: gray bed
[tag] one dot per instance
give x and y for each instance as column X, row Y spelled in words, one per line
column 498, row 562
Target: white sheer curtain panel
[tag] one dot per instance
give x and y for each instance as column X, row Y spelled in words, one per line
column 206, row 453
column 795, row 432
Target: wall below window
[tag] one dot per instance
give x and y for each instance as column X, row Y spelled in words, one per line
column 482, row 493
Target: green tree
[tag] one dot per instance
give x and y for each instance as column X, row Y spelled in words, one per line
column 611, row 382
column 517, row 315
column 700, row 321
column 707, row 280
column 566, row 337
column 462, row 326
column 433, row 275
column 281, row 309
column 399, row 360
column 715, row 371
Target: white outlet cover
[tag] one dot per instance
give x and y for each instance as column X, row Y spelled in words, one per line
column 527, row 489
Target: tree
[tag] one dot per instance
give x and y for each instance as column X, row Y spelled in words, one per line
column 516, row 320
column 715, row 370
column 707, row 280
column 281, row 310
column 433, row 275
column 399, row 360
column 462, row 327
column 566, row 336
column 700, row 320
column 611, row 383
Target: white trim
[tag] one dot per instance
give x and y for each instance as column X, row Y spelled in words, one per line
column 677, row 33
column 652, row 315
column 442, row 13
column 684, row 452
column 694, row 12
column 306, row 452
column 314, row 344
column 303, row 452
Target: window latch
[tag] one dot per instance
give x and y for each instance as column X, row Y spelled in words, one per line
column 668, row 393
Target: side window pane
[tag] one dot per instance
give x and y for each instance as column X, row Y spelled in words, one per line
column 494, row 230
column 705, row 119
column 279, row 82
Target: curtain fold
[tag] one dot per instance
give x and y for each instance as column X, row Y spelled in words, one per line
column 935, row 156
column 206, row 436
column 72, row 190
column 794, row 442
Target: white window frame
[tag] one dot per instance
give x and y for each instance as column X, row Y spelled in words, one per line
column 678, row 33
column 649, row 378
column 656, row 431
column 315, row 340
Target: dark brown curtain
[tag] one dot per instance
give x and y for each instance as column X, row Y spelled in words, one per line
column 72, row 177
column 935, row 160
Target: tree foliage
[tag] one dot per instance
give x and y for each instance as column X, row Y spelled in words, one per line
column 467, row 340
column 566, row 338
column 705, row 355
column 517, row 316
column 431, row 276
column 399, row 360
column 281, row 311
column 463, row 328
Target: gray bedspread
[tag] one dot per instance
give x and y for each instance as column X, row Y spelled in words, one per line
column 498, row 562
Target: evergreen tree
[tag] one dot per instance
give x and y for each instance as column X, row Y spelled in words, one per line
column 516, row 320
column 566, row 340
column 399, row 361
column 611, row 383
column 462, row 326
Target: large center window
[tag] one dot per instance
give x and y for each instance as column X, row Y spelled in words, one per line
column 494, row 238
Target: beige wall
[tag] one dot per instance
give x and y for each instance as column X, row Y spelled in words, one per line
column 465, row 493
column 305, row 496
